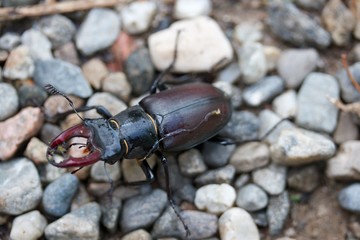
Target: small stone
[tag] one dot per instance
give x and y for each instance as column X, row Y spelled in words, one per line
column 107, row 100
column 191, row 163
column 9, row 41
column 58, row 28
column 131, row 170
column 271, row 178
column 189, row 9
column 242, row 180
column 304, row 179
column 263, row 91
column 233, row 92
column 58, row 104
column 98, row 172
column 49, row 132
column 311, row 4
column 137, row 234
column 82, row 223
column 20, row 187
column 349, row 198
column 277, row 212
column 67, row 53
column 31, row 95
column 36, row 151
column 348, row 93
column 344, row 165
column 272, row 56
column 339, row 21
column 201, row 46
column 140, row 71
column 17, row 129
column 217, row 155
column 251, row 198
column 49, row 173
column 98, row 31
column 95, row 71
column 252, row 62
column 29, row 226
column 217, row 176
column 110, row 209
column 82, row 197
column 142, row 211
column 290, row 24
column 9, row 101
column 315, row 111
column 64, row 76
column 137, row 16
column 117, row 84
column 260, row 219
column 38, row 44
column 298, row 146
column 19, row 64
column 215, row 198
column 355, row 9
column 230, row 73
column 249, row 31
column 285, row 105
column 295, row 64
column 237, row 224
column 346, row 129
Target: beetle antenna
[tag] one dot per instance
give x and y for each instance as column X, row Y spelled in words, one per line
column 53, row 91
column 111, row 190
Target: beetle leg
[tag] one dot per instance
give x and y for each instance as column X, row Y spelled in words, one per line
column 147, row 171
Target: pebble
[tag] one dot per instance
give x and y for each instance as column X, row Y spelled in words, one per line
column 9, row 101
column 191, row 163
column 131, row 170
column 241, row 180
column 98, row 172
column 107, row 100
column 57, row 28
column 141, row 211
column 315, row 111
column 252, row 62
column 9, row 41
column 285, row 105
column 48, row 132
column 349, row 198
column 19, row 64
column 304, row 179
column 82, row 223
column 249, row 31
column 98, row 31
column 201, row 225
column 217, row 176
column 277, row 212
column 263, row 91
column 31, row 95
column 95, row 71
column 237, row 224
column 190, row 9
column 271, row 178
column 137, row 16
column 344, row 165
column 201, row 46
column 64, row 76
column 36, row 151
column 346, row 129
column 67, row 53
column 287, row 22
column 230, row 74
column 49, row 173
column 38, row 44
column 58, row 104
column 295, row 64
column 243, row 126
column 260, row 218
column 18, row 3
column 59, row 194
column 251, row 198
column 110, row 209
column 339, row 21
column 233, row 92
column 272, row 56
column 299, row 146
column 29, row 226
column 310, row 4
column 139, row 71
column 355, row 8
column 348, row 93
column 117, row 84
column 17, row 129
column 20, row 188
column 216, row 155
column 81, row 197
column 137, row 234
column 215, row 198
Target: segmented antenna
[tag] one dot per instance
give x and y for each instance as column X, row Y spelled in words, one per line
column 53, row 91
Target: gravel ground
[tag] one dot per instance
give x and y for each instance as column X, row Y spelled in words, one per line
column 274, row 59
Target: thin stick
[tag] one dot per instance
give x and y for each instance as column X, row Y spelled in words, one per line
column 13, row 13
column 346, row 66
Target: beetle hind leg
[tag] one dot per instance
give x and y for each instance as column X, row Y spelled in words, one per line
column 148, row 174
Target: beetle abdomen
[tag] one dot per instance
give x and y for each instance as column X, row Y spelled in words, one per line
column 188, row 115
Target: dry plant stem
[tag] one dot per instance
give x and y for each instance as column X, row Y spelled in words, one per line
column 13, row 13
column 351, row 77
column 351, row 108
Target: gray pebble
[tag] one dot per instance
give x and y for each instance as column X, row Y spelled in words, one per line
column 9, row 41
column 277, row 212
column 285, row 105
column 98, row 31
column 346, row 129
column 348, row 92
column 64, row 76
column 191, row 163
column 20, row 187
column 59, row 194
column 48, row 132
column 233, row 92
column 217, row 176
column 290, row 24
column 110, row 209
column 9, row 101
column 271, row 178
column 67, row 53
column 242, row 180
column 230, row 73
column 82, row 223
column 81, row 197
column 186, row 193
column 19, row 64
column 38, row 44
column 304, row 179
column 315, row 111
column 29, row 226
column 260, row 218
column 249, row 31
column 31, row 95
column 251, row 198
column 98, row 172
column 142, row 211
column 263, row 91
column 216, row 155
column 349, row 198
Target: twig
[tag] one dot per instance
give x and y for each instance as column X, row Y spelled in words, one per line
column 351, row 77
column 12, row 13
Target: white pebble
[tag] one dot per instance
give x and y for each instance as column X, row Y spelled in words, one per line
column 29, row 226
column 191, row 8
column 137, row 16
column 285, row 105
